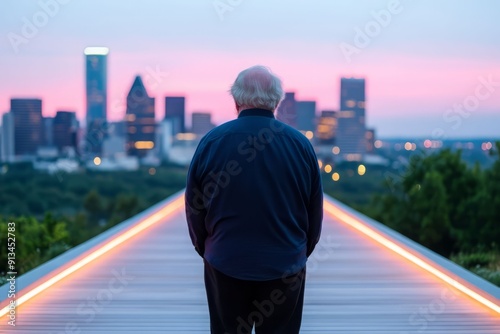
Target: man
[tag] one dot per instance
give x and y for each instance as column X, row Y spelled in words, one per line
column 254, row 207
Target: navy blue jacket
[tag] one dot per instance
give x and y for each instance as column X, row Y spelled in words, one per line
column 254, row 200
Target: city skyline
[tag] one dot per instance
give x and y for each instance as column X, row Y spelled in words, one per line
column 416, row 74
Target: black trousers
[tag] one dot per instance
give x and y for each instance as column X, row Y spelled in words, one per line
column 236, row 306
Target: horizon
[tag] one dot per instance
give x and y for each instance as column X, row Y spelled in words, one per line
column 416, row 74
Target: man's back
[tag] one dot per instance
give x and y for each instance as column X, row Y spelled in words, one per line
column 254, row 207
column 261, row 193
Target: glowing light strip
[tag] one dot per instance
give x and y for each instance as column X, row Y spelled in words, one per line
column 147, row 222
column 339, row 214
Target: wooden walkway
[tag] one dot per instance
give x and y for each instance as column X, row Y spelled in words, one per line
column 152, row 283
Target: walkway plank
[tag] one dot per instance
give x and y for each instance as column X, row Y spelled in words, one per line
column 153, row 284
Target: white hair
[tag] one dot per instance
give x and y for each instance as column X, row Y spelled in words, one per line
column 257, row 87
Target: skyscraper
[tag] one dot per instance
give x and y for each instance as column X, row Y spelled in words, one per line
column 96, row 88
column 287, row 110
column 351, row 119
column 140, row 120
column 306, row 115
column 201, row 123
column 7, row 138
column 27, row 115
column 175, row 110
column 64, row 130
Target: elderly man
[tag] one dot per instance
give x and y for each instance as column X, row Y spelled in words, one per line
column 254, row 212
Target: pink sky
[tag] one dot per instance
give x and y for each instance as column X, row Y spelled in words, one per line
column 415, row 71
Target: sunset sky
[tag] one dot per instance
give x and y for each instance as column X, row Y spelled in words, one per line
column 422, row 60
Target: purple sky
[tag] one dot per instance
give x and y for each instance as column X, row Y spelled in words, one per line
column 426, row 62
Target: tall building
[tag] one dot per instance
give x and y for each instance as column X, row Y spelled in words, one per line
column 27, row 114
column 201, row 123
column 306, row 115
column 140, row 120
column 96, row 93
column 351, row 119
column 326, row 130
column 7, row 143
column 47, row 131
column 287, row 110
column 64, row 130
column 175, row 111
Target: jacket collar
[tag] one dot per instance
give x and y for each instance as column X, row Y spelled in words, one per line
column 256, row 112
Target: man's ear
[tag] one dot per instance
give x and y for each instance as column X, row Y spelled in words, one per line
column 237, row 108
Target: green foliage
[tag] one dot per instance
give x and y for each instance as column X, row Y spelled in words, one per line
column 82, row 205
column 443, row 204
column 473, row 260
column 439, row 201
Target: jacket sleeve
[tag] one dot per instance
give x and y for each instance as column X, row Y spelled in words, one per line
column 195, row 207
column 315, row 207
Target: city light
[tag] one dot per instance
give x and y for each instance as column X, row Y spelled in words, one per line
column 185, row 136
column 427, row 143
column 144, row 145
column 361, row 170
column 336, row 150
column 152, row 171
column 486, row 146
column 320, row 164
column 378, row 144
column 335, row 176
column 328, row 169
column 97, row 161
column 408, row 146
column 309, row 135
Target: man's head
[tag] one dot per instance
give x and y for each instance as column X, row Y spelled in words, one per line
column 257, row 87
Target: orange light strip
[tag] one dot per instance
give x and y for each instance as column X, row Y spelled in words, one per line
column 358, row 225
column 121, row 238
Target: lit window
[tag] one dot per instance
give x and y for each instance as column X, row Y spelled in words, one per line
column 350, row 103
column 144, row 145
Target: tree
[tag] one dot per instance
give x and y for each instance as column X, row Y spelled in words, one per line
column 435, row 202
column 93, row 204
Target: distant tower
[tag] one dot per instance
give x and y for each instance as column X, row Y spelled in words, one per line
column 140, row 120
column 306, row 115
column 7, row 138
column 287, row 110
column 351, row 119
column 201, row 123
column 64, row 130
column 175, row 109
column 96, row 93
column 27, row 114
